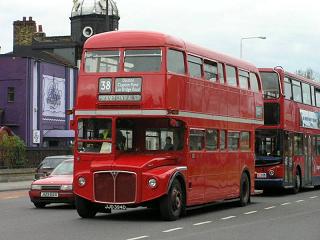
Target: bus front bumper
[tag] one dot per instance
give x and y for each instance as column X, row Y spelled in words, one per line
column 269, row 183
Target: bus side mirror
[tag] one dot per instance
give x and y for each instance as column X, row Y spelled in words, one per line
column 72, row 125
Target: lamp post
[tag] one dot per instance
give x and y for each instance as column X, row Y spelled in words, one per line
column 244, row 38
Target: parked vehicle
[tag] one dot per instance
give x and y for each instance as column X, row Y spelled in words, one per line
column 56, row 188
column 48, row 164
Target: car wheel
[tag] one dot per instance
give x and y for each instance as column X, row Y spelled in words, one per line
column 172, row 205
column 244, row 190
column 85, row 208
column 39, row 204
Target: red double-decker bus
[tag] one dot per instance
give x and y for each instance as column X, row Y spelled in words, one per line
column 288, row 145
column 162, row 123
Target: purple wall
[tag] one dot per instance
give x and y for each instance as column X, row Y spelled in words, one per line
column 14, row 73
column 42, row 95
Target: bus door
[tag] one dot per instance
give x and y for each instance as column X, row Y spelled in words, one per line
column 288, row 158
column 308, row 157
column 196, row 166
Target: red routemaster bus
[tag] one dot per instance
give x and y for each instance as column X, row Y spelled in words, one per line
column 162, row 123
column 288, row 145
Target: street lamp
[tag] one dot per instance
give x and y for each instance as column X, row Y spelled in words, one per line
column 244, row 38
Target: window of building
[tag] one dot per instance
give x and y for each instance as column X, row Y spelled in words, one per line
column 287, row 88
column 254, row 85
column 102, row 61
column 233, row 140
column 298, row 144
column 147, row 60
column 245, row 140
column 296, row 91
column 194, row 64
column 313, row 102
column 11, row 94
column 175, row 62
column 306, row 93
column 211, row 139
column 317, row 91
column 221, row 72
column 243, row 79
column 210, row 71
column 231, row 76
column 223, row 139
column 197, row 139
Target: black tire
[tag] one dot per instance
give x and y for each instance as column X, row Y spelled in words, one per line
column 297, row 182
column 244, row 190
column 39, row 204
column 85, row 208
column 172, row 205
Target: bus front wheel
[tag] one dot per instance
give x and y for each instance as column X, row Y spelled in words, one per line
column 244, row 190
column 85, row 208
column 172, row 204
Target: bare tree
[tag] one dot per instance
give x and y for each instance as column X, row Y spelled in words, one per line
column 309, row 73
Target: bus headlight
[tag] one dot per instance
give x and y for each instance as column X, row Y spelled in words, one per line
column 66, row 187
column 152, row 183
column 81, row 181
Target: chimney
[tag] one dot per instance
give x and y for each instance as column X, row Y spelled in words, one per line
column 23, row 32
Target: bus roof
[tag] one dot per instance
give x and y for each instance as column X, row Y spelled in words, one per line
column 119, row 39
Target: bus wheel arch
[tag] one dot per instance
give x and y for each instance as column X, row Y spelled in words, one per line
column 173, row 204
column 245, row 188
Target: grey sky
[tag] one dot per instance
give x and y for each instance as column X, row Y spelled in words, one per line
column 291, row 26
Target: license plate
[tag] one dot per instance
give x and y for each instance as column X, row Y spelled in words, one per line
column 261, row 175
column 49, row 194
column 116, row 207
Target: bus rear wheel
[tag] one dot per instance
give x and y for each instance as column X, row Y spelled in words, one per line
column 244, row 190
column 85, row 208
column 172, row 205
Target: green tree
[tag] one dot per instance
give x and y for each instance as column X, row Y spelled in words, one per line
column 13, row 151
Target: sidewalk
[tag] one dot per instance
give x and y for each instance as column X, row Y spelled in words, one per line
column 13, row 186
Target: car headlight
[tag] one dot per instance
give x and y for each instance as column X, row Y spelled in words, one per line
column 66, row 187
column 152, row 182
column 35, row 187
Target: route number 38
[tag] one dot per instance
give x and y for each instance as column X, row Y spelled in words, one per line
column 105, row 85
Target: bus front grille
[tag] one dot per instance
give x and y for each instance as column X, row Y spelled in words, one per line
column 115, row 187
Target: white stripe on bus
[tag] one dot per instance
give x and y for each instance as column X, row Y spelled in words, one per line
column 165, row 113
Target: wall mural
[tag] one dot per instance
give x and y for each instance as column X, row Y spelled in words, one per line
column 53, row 100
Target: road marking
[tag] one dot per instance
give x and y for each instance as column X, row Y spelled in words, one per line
column 11, row 197
column 173, row 229
column 286, row 203
column 247, row 213
column 136, row 238
column 267, row 208
column 226, row 218
column 313, row 197
column 299, row 201
column 201, row 223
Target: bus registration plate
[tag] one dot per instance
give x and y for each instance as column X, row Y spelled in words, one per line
column 261, row 175
column 116, row 207
column 49, row 194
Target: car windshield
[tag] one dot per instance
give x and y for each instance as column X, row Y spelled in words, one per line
column 64, row 168
column 51, row 162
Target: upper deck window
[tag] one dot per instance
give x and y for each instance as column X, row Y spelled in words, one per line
column 296, row 91
column 175, row 62
column 287, row 88
column 254, row 85
column 147, row 60
column 221, row 72
column 231, row 76
column 102, row 61
column 243, row 79
column 306, row 93
column 195, row 64
column 270, row 84
column 210, row 71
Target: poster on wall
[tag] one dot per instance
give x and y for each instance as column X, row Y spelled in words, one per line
column 53, row 97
